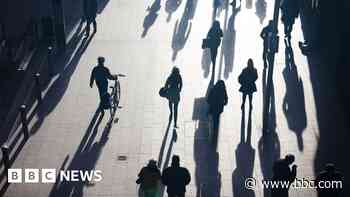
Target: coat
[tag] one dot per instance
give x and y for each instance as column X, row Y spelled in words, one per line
column 247, row 80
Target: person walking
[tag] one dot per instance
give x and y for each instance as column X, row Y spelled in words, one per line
column 149, row 179
column 101, row 75
column 214, row 39
column 90, row 13
column 247, row 80
column 176, row 178
column 217, row 99
column 266, row 35
column 174, row 85
column 283, row 173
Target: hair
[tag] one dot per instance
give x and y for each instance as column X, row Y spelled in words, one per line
column 250, row 63
column 175, row 161
column 152, row 163
column 330, row 167
column 101, row 60
column 270, row 22
column 220, row 84
column 290, row 158
column 216, row 24
column 175, row 71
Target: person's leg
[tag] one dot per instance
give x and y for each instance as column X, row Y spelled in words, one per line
column 243, row 100
column 175, row 113
column 251, row 100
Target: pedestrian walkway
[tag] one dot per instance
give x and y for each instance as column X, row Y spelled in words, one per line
column 71, row 135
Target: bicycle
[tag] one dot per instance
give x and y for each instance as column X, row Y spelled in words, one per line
column 115, row 95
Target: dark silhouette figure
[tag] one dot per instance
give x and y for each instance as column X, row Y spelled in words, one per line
column 245, row 156
column 260, row 6
column 247, row 80
column 332, row 176
column 101, row 75
column 214, row 36
column 229, row 41
column 266, row 35
column 294, row 101
column 176, row 178
column 181, row 35
column 282, row 172
column 290, row 11
column 151, row 17
column 149, row 179
column 90, row 13
column 171, row 6
column 174, row 86
column 217, row 99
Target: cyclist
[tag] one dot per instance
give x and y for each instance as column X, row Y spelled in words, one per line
column 101, row 75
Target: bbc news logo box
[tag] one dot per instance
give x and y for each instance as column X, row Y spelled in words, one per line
column 51, row 175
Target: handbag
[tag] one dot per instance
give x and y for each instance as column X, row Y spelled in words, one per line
column 163, row 92
column 205, row 43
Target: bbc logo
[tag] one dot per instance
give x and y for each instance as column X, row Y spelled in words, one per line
column 31, row 175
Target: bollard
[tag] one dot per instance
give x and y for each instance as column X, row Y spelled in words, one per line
column 49, row 60
column 38, row 87
column 24, row 121
column 5, row 156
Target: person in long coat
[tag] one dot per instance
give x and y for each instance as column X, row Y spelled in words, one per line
column 247, row 79
column 174, row 85
column 214, row 36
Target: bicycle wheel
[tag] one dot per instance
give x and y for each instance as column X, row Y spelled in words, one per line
column 117, row 94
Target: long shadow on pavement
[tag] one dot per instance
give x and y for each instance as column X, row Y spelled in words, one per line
column 84, row 159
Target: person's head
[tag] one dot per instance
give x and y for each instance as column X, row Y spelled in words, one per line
column 250, row 63
column 289, row 159
column 101, row 61
column 152, row 163
column 216, row 25
column 175, row 71
column 220, row 85
column 270, row 23
column 175, row 162
column 330, row 168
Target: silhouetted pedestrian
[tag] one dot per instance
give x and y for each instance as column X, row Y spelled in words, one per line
column 217, row 99
column 329, row 177
column 214, row 39
column 174, row 85
column 290, row 11
column 176, row 178
column 283, row 174
column 266, row 35
column 90, row 13
column 247, row 80
column 149, row 179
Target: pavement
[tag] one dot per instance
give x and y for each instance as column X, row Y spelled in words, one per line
column 144, row 44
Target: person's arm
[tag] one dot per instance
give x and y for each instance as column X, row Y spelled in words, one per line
column 221, row 34
column 165, row 177
column 92, row 78
column 180, row 83
column 226, row 98
column 293, row 173
column 188, row 177
column 263, row 33
column 110, row 76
